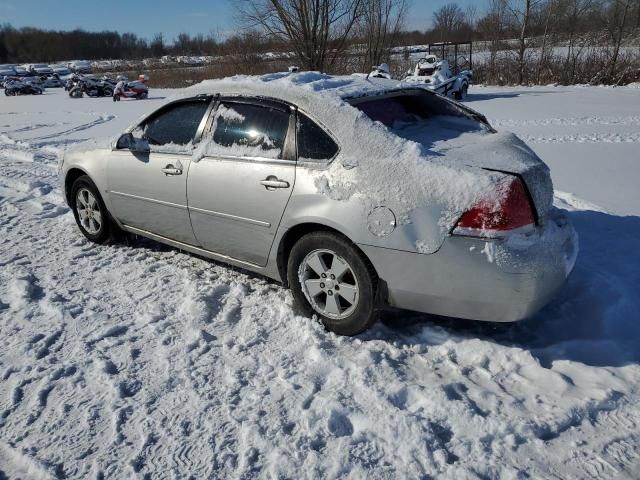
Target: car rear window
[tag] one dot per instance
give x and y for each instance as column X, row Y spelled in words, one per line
column 421, row 117
column 314, row 144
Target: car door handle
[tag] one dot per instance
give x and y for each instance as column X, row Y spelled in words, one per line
column 272, row 182
column 171, row 170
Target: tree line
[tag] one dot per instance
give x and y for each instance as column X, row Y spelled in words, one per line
column 27, row 45
column 515, row 41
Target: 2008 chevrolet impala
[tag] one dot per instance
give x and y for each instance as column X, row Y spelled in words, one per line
column 354, row 193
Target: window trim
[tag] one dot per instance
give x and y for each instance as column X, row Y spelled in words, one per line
column 289, row 152
column 199, row 132
column 319, row 164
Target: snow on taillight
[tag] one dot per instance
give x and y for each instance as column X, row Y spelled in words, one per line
column 508, row 212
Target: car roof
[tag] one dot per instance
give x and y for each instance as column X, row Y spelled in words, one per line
column 284, row 85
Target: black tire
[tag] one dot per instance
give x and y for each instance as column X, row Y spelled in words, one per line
column 107, row 227
column 462, row 93
column 108, row 92
column 364, row 312
column 76, row 93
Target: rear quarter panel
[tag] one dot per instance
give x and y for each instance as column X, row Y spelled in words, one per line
column 352, row 217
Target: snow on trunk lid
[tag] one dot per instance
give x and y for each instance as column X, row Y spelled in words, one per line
column 504, row 152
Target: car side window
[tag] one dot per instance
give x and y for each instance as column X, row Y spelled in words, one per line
column 314, row 144
column 249, row 130
column 175, row 127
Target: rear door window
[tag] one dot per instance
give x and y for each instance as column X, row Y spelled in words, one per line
column 249, row 130
column 314, row 143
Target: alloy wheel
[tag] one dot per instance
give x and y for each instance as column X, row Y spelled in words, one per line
column 89, row 212
column 329, row 283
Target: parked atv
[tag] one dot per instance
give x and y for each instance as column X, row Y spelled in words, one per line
column 17, row 87
column 136, row 89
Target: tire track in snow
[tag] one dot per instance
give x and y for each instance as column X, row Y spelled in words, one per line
column 585, row 138
column 632, row 120
column 615, row 458
column 79, row 128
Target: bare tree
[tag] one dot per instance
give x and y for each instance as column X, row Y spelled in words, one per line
column 471, row 15
column 522, row 45
column 616, row 24
column 317, row 30
column 447, row 20
column 574, row 13
column 380, row 24
column 550, row 7
column 521, row 12
column 492, row 28
column 157, row 45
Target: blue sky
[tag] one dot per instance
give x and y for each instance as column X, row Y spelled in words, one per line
column 146, row 17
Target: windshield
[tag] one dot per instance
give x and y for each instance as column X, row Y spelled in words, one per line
column 422, row 117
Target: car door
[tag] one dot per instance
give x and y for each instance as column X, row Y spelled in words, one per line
column 147, row 180
column 239, row 189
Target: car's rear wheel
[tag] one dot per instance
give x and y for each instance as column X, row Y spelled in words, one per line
column 331, row 279
column 90, row 211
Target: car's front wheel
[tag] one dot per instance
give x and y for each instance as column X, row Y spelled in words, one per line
column 89, row 210
column 331, row 279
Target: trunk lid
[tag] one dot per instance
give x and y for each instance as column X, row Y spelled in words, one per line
column 503, row 152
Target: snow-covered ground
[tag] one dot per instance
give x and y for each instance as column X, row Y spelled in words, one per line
column 135, row 360
column 589, row 136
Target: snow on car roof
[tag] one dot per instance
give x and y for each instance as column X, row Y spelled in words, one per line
column 285, row 85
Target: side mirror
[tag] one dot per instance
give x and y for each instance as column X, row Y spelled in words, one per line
column 128, row 142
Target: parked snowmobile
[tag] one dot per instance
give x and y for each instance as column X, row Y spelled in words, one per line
column 137, row 89
column 380, row 71
column 14, row 87
column 81, row 84
column 436, row 75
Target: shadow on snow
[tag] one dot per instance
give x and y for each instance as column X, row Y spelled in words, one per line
column 476, row 95
column 595, row 319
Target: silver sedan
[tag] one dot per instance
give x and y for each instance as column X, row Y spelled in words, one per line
column 356, row 194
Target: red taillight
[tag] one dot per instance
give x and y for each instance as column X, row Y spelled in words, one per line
column 510, row 210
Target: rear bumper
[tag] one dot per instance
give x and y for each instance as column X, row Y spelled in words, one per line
column 491, row 280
